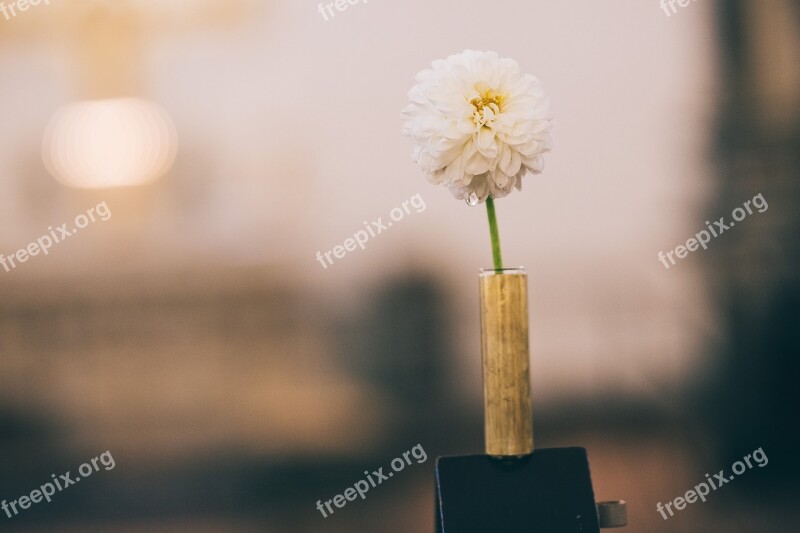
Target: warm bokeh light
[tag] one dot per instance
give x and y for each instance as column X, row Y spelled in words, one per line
column 109, row 143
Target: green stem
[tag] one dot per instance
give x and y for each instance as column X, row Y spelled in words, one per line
column 495, row 234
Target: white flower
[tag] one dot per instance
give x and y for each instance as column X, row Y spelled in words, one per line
column 478, row 124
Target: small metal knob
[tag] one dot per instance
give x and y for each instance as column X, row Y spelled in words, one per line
column 612, row 513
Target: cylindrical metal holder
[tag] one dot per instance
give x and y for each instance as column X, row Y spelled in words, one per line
column 506, row 366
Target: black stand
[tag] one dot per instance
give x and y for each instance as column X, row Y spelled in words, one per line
column 549, row 491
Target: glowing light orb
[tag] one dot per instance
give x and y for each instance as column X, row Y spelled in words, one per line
column 109, row 143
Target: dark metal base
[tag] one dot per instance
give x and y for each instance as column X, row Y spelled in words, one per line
column 549, row 491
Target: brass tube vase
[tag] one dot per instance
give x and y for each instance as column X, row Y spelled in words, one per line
column 506, row 366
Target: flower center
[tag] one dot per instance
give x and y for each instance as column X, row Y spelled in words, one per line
column 487, row 106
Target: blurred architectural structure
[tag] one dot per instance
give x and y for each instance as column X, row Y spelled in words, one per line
column 755, row 267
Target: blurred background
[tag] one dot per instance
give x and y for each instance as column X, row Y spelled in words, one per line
column 236, row 381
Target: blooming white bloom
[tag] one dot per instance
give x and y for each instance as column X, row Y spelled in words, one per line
column 478, row 124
